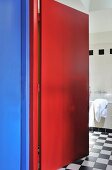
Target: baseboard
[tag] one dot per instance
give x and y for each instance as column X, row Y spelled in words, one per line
column 100, row 129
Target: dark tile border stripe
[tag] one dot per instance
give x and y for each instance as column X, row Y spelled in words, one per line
column 100, row 130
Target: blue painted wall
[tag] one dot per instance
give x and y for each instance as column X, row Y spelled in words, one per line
column 14, row 85
column 25, row 86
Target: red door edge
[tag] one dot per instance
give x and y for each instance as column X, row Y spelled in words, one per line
column 33, row 24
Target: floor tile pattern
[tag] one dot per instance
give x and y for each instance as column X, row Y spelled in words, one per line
column 100, row 154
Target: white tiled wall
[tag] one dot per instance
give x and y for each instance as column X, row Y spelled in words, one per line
column 100, row 69
column 100, row 72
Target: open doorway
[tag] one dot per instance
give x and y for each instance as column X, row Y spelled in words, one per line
column 100, row 64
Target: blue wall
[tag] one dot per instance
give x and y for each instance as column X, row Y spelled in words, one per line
column 14, row 85
column 25, row 86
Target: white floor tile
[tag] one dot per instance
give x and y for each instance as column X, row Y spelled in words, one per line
column 110, row 157
column 104, row 136
column 88, row 163
column 110, row 134
column 109, row 167
column 94, row 154
column 94, row 137
column 108, row 145
column 102, row 161
column 105, row 152
column 89, row 149
column 74, row 166
column 90, row 134
column 97, row 147
column 109, row 139
column 97, row 133
column 91, row 142
column 101, row 141
column 96, row 169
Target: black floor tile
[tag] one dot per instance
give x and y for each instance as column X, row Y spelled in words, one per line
column 102, row 138
column 109, row 130
column 109, row 136
column 110, row 162
column 91, row 158
column 95, row 134
column 79, row 162
column 104, row 133
column 109, row 142
column 85, row 168
column 100, row 166
column 95, row 150
column 99, row 144
column 103, row 156
column 107, row 148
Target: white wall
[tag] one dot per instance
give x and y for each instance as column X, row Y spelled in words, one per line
column 100, row 68
column 100, row 21
column 100, row 4
column 100, row 38
column 100, row 74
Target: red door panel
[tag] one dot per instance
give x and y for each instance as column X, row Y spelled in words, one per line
column 64, row 85
column 33, row 84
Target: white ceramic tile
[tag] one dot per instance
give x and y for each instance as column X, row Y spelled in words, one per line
column 108, row 145
column 104, row 136
column 91, row 142
column 96, row 169
column 90, row 134
column 109, row 167
column 74, row 166
column 62, row 169
column 101, row 141
column 94, row 137
column 97, row 133
column 94, row 154
column 105, row 152
column 110, row 157
column 109, row 139
column 88, row 163
column 110, row 134
column 89, row 149
column 102, row 161
column 97, row 147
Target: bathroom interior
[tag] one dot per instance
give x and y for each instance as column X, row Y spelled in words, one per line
column 100, row 62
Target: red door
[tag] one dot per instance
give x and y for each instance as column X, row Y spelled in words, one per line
column 64, row 85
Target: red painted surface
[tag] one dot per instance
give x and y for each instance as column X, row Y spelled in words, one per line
column 33, row 85
column 64, row 77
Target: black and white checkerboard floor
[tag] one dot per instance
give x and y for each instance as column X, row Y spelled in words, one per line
column 100, row 156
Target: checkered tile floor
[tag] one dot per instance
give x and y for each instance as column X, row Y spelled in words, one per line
column 100, row 156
